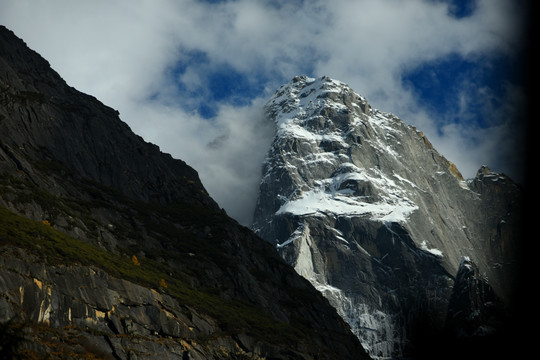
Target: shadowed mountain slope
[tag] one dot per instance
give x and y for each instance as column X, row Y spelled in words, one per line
column 110, row 248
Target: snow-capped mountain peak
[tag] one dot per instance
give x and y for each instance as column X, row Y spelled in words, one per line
column 366, row 209
column 326, row 123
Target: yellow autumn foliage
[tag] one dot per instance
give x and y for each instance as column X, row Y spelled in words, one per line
column 135, row 261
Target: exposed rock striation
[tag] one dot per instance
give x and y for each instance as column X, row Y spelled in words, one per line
column 110, row 248
column 365, row 208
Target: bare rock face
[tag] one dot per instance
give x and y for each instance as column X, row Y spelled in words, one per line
column 365, row 208
column 110, row 248
column 79, row 298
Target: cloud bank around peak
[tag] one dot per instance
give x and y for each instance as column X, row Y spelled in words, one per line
column 191, row 76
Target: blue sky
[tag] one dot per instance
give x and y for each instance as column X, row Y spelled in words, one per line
column 191, row 76
column 437, row 85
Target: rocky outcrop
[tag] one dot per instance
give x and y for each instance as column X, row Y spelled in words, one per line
column 364, row 207
column 112, row 317
column 474, row 306
column 111, row 249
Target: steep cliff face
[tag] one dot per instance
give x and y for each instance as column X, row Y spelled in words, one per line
column 365, row 208
column 109, row 248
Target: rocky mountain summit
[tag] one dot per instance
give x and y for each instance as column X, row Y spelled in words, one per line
column 365, row 208
column 111, row 249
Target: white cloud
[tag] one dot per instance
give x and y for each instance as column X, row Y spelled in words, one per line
column 123, row 53
column 227, row 151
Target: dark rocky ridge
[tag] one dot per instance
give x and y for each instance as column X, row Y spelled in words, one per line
column 51, row 121
column 109, row 247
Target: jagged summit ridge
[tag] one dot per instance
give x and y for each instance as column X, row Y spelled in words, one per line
column 302, row 105
column 312, row 94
